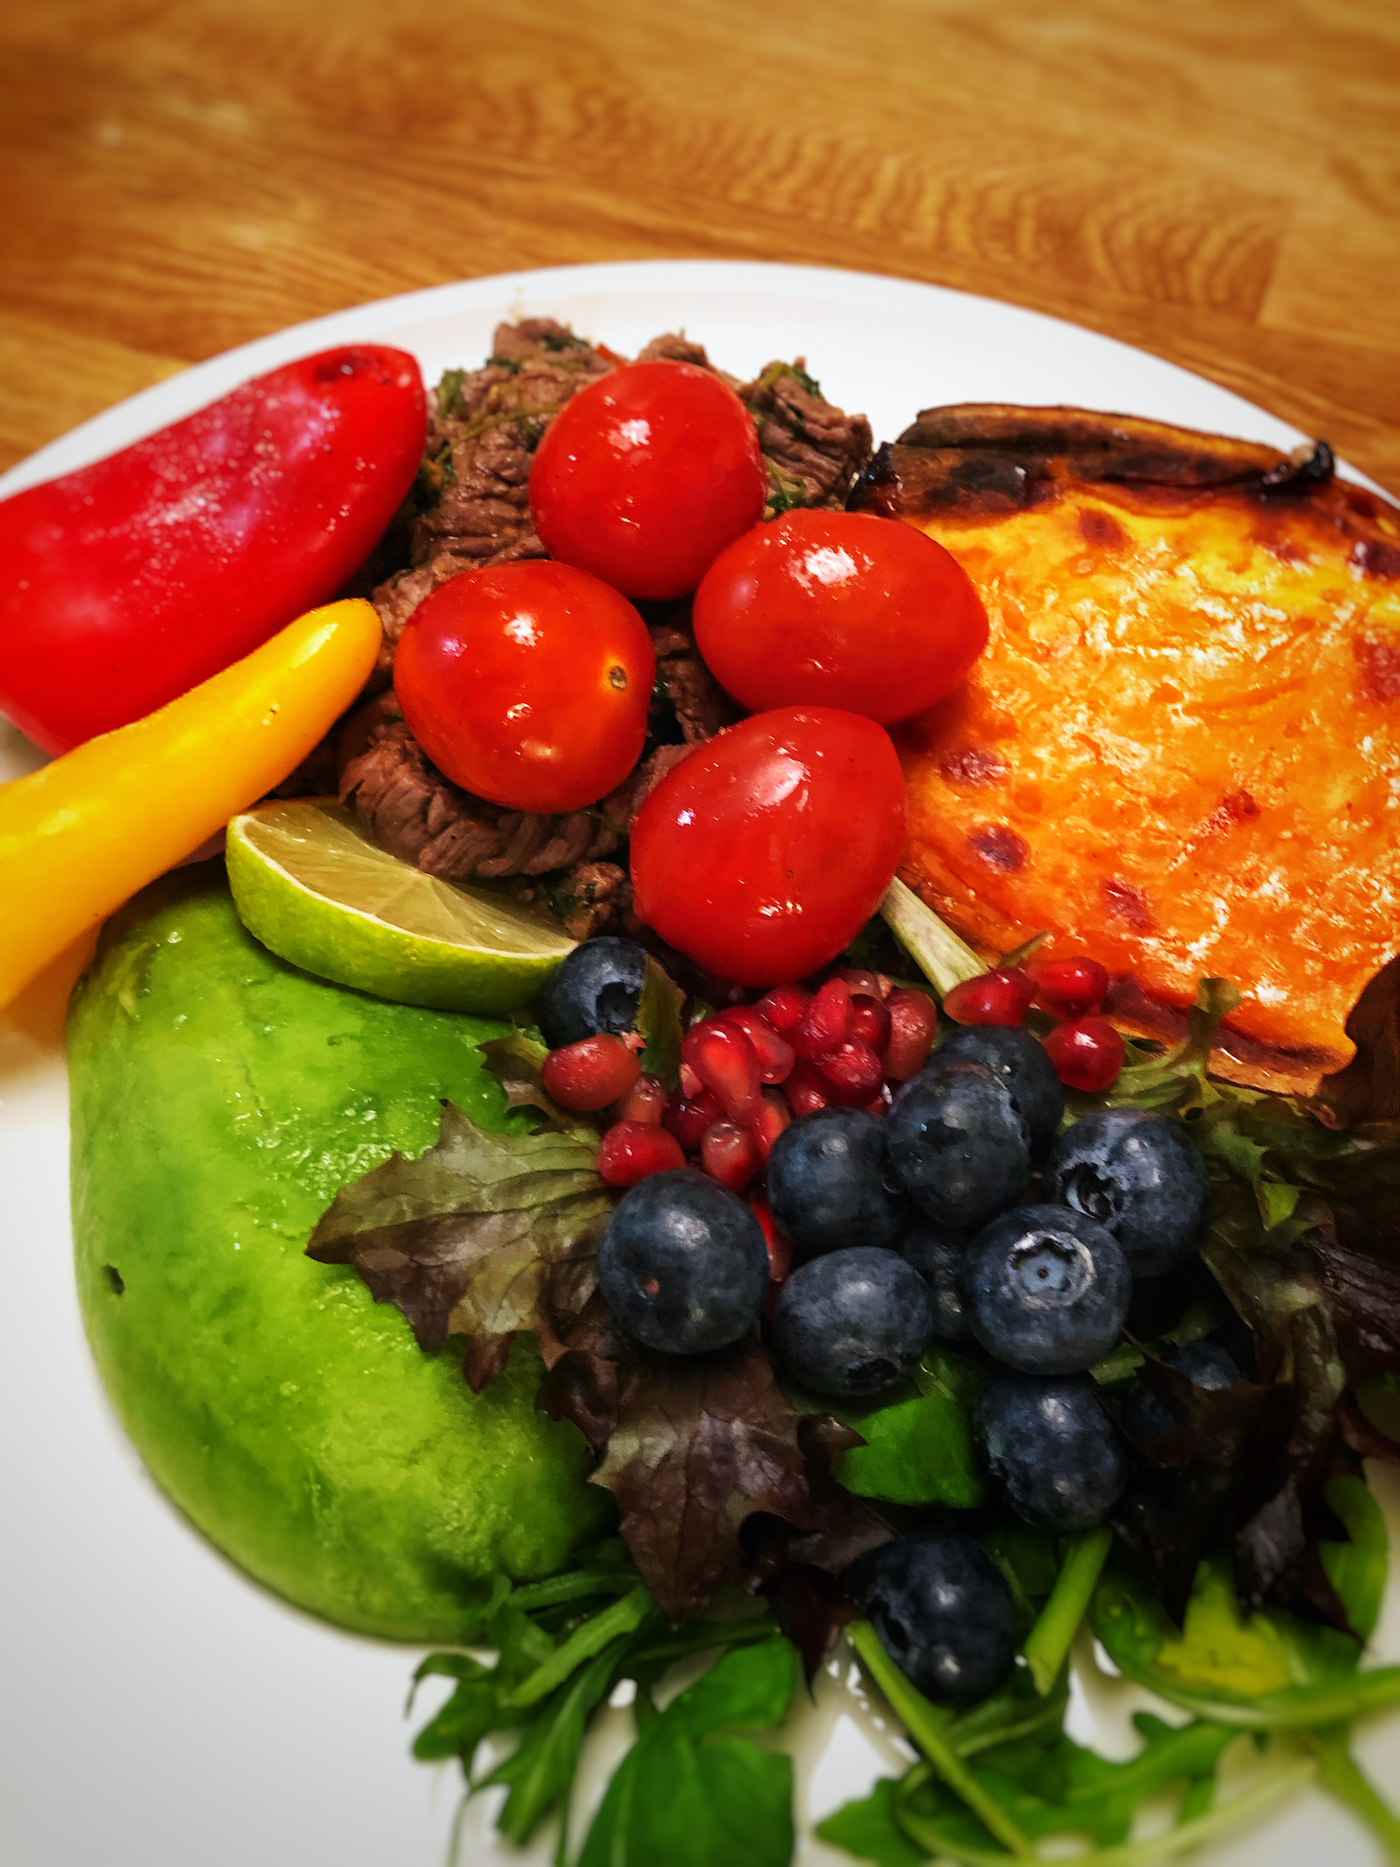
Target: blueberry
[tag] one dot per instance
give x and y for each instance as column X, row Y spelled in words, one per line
column 1139, row 1176
column 1205, row 1364
column 1021, row 1062
column 1046, row 1290
column 958, row 1144
column 944, row 1613
column 598, row 988
column 852, row 1321
column 830, row 1183
column 1053, row 1448
column 683, row 1266
column 938, row 1258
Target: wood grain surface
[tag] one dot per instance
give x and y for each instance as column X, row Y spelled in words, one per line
column 1217, row 183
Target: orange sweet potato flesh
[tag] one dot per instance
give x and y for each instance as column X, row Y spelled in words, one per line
column 1181, row 752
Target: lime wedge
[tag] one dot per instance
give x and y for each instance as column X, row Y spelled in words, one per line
column 314, row 888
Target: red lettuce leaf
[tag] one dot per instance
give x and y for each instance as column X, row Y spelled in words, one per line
column 483, row 1235
column 694, row 1447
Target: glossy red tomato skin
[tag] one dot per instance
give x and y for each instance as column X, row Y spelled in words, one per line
column 763, row 853
column 839, row 609
column 644, row 476
column 130, row 581
column 527, row 684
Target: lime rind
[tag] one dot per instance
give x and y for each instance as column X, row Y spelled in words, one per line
column 311, row 886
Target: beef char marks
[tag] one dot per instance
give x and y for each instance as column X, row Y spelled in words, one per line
column 473, row 511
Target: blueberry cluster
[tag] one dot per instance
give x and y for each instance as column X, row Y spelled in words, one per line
column 908, row 1230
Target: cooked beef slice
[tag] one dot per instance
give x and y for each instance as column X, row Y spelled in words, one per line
column 700, row 705
column 590, row 898
column 814, row 451
column 414, row 812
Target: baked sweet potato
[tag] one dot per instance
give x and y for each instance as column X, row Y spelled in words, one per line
column 1181, row 752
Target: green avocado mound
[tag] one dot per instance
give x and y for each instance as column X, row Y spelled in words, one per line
column 220, row 1098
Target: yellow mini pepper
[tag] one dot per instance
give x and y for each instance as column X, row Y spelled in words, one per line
column 80, row 836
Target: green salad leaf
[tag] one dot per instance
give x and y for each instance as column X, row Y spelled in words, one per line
column 690, row 1792
column 918, row 1441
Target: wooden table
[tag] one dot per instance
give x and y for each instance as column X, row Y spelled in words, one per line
column 1220, row 184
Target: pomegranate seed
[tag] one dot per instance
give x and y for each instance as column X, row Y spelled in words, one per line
column 726, row 1062
column 805, row 1091
column 591, row 1073
column 1087, row 1053
column 870, row 1022
column 691, row 1084
column 852, row 1073
column 645, row 1101
column 775, row 1055
column 826, row 1021
column 881, row 1104
column 689, row 1116
column 730, row 1154
column 782, row 1008
column 630, row 1150
column 779, row 1249
column 913, row 1022
column 1002, row 996
column 1070, row 987
column 769, row 1121
column 872, row 984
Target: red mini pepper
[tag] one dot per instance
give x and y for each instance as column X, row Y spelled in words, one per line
column 132, row 580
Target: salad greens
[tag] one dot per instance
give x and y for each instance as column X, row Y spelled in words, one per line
column 1239, row 1578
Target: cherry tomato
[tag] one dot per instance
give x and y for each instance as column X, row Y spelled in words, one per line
column 528, row 684
column 764, row 852
column 839, row 609
column 645, row 475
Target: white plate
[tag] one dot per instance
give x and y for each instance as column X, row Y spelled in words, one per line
column 158, row 1709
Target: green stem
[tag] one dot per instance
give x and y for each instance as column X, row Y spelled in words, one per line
column 574, row 1587
column 1345, row 1778
column 621, row 1618
column 1048, row 1643
column 927, row 1725
column 1294, row 1708
column 927, row 1834
column 944, row 959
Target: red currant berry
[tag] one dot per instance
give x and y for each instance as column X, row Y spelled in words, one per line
column 726, row 1063
column 689, row 1116
column 913, row 1023
column 826, row 1021
column 775, row 1056
column 730, row 1154
column 852, row 1074
column 783, row 1008
column 1002, row 996
column 630, row 1150
column 590, row 1074
column 806, row 1091
column 870, row 1022
column 1070, row 987
column 645, row 1101
column 1087, row 1053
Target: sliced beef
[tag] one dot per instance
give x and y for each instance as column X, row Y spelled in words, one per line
column 700, row 705
column 591, row 898
column 813, row 449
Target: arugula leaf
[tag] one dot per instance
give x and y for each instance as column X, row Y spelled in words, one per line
column 920, row 1446
column 1357, row 1569
column 869, row 1830
column 1273, row 1672
column 540, row 1772
column 690, row 1795
column 483, row 1235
